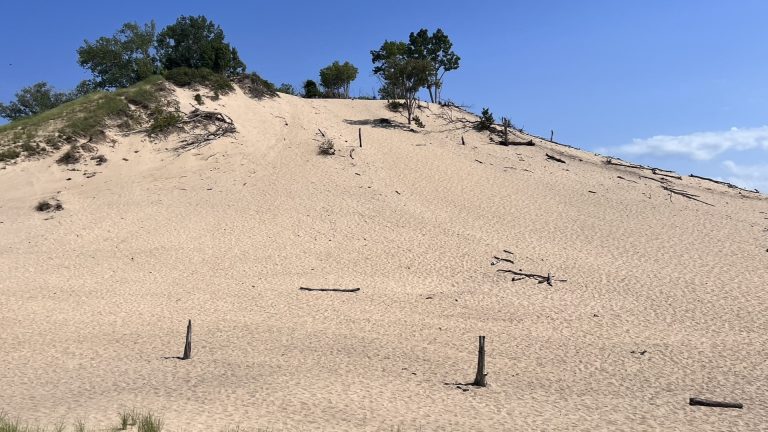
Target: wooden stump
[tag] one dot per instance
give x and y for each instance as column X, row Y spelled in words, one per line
column 360, row 136
column 188, row 344
column 480, row 376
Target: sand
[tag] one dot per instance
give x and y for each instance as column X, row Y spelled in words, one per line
column 95, row 298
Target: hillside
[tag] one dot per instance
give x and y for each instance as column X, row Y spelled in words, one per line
column 664, row 300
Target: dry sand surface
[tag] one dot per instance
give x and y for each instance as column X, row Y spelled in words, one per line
column 95, row 298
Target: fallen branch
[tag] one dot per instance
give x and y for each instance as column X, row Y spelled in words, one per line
column 626, row 179
column 729, row 185
column 350, row 153
column 716, row 404
column 330, row 289
column 214, row 125
column 685, row 194
column 529, row 143
column 548, row 279
column 556, row 159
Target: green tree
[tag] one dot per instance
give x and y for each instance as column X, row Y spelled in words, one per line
column 311, row 91
column 402, row 76
column 123, row 59
column 336, row 78
column 437, row 49
column 196, row 42
column 287, row 89
column 33, row 100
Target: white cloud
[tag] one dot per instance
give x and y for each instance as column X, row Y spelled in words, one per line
column 699, row 145
column 748, row 176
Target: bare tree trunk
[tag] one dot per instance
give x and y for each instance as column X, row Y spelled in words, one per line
column 480, row 375
column 188, row 344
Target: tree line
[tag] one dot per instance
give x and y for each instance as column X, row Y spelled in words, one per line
column 196, row 44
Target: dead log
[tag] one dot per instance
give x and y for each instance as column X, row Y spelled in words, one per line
column 188, row 344
column 729, row 185
column 480, row 376
column 330, row 289
column 716, row 404
column 626, row 179
column 529, row 143
column 685, row 194
column 556, row 159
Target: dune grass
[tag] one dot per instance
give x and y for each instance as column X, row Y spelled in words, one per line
column 83, row 118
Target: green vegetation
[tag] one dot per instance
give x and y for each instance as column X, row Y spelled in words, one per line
column 417, row 121
column 33, row 100
column 196, row 42
column 255, row 86
column 199, row 99
column 83, row 118
column 311, row 90
column 121, row 60
column 436, row 49
column 336, row 78
column 188, row 77
column 326, row 147
column 402, row 75
column 287, row 89
column 486, row 121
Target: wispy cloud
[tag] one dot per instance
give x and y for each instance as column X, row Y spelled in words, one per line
column 748, row 176
column 698, row 145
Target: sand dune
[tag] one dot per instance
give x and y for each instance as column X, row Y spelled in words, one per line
column 96, row 296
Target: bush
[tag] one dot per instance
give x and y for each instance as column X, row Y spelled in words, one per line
column 199, row 99
column 163, row 121
column 326, row 147
column 48, row 206
column 71, row 156
column 255, row 86
column 9, row 154
column 395, row 106
column 486, row 121
column 188, row 77
column 311, row 90
column 33, row 100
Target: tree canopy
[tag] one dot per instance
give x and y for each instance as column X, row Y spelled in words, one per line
column 311, row 91
column 337, row 77
column 401, row 74
column 196, row 42
column 33, row 100
column 437, row 49
column 123, row 59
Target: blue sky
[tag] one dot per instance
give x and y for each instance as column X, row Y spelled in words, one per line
column 675, row 84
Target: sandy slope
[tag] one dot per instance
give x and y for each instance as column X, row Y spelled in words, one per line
column 95, row 298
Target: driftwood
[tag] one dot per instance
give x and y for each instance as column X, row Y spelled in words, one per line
column 214, row 125
column 716, row 404
column 529, row 143
column 685, row 194
column 657, row 171
column 188, row 344
column 548, row 279
column 626, row 179
column 729, row 185
column 480, row 375
column 352, row 150
column 330, row 289
column 662, row 181
column 554, row 158
column 360, row 136
column 321, row 133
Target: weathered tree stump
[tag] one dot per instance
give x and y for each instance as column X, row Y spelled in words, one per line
column 188, row 344
column 480, row 375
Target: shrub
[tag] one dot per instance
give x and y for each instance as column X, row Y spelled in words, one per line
column 311, row 90
column 326, row 147
column 255, row 86
column 187, row 77
column 71, row 156
column 287, row 89
column 149, row 423
column 395, row 106
column 48, row 206
column 199, row 99
column 418, row 121
column 486, row 121
column 163, row 121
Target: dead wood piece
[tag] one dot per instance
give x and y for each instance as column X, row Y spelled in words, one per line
column 659, row 172
column 350, row 153
column 330, row 289
column 713, row 403
column 500, row 259
column 479, row 161
column 211, row 125
column 729, row 185
column 188, row 343
column 321, row 133
column 626, row 179
column 480, row 375
column 554, row 158
column 548, row 279
column 529, row 143
column 685, row 194
column 662, row 181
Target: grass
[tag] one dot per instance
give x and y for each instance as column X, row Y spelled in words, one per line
column 82, row 118
column 327, row 147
